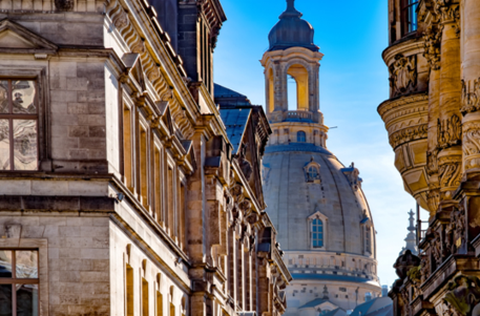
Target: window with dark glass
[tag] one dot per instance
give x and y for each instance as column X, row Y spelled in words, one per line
column 409, row 16
column 317, row 233
column 313, row 174
column 301, row 137
column 18, row 125
column 19, row 282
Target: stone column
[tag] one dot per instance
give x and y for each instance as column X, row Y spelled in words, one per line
column 471, row 87
column 449, row 127
column 470, row 199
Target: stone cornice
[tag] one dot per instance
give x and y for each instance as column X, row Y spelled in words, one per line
column 410, row 47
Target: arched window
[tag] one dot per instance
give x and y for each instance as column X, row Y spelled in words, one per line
column 317, row 233
column 301, row 137
column 409, row 16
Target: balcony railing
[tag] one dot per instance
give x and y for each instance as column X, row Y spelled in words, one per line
column 300, row 115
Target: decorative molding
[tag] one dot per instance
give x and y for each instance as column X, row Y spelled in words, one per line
column 403, row 78
column 450, row 173
column 432, row 163
column 403, row 103
column 408, row 134
column 470, row 96
column 433, row 200
column 449, row 132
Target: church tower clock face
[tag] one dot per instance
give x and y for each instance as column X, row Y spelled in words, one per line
column 317, row 204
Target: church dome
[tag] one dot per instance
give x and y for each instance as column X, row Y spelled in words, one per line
column 304, row 182
column 291, row 31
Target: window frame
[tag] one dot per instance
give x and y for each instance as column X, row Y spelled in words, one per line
column 303, row 135
column 322, row 233
column 40, row 244
column 37, row 74
column 408, row 16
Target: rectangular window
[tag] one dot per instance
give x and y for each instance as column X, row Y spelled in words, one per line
column 143, row 167
column 144, row 297
column 129, row 291
column 159, row 304
column 157, row 184
column 19, row 282
column 170, row 206
column 127, row 147
column 18, row 125
column 182, row 210
column 409, row 16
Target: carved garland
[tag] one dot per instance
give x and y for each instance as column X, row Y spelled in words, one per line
column 408, row 135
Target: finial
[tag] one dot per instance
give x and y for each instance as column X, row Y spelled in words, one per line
column 290, row 11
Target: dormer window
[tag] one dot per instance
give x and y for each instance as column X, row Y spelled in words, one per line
column 312, row 171
column 409, row 16
column 301, row 137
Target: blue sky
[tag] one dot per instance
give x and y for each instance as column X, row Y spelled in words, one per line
column 353, row 82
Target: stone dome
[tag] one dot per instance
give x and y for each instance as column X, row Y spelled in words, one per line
column 291, row 31
column 303, row 181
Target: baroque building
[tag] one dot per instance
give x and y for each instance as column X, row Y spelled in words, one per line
column 433, row 125
column 316, row 203
column 122, row 191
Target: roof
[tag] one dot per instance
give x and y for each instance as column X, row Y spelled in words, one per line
column 330, row 277
column 298, row 147
column 380, row 306
column 314, row 303
column 228, row 97
column 235, row 120
column 336, row 312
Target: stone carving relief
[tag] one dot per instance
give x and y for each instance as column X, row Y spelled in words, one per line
column 471, row 145
column 425, row 270
column 432, row 37
column 403, row 78
column 408, row 134
column 432, row 163
column 433, row 200
column 463, row 294
column 64, row 5
column 470, row 96
column 449, row 172
column 449, row 131
column 245, row 165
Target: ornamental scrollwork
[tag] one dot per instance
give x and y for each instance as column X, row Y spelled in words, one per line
column 403, row 77
column 408, row 134
column 432, row 37
column 449, row 132
column 471, row 145
column 450, row 174
column 470, row 96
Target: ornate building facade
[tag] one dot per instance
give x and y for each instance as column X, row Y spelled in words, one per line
column 121, row 190
column 317, row 204
column 433, row 121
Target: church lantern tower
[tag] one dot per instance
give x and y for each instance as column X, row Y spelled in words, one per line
column 316, row 203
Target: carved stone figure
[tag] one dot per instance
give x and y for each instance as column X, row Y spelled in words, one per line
column 64, row 5
column 245, row 165
column 463, row 295
column 404, row 263
column 403, row 74
column 470, row 96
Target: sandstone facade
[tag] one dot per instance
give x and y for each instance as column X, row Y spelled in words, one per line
column 117, row 171
column 432, row 121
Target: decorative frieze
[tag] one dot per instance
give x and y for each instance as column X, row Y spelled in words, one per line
column 449, row 172
column 403, row 78
column 408, row 134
